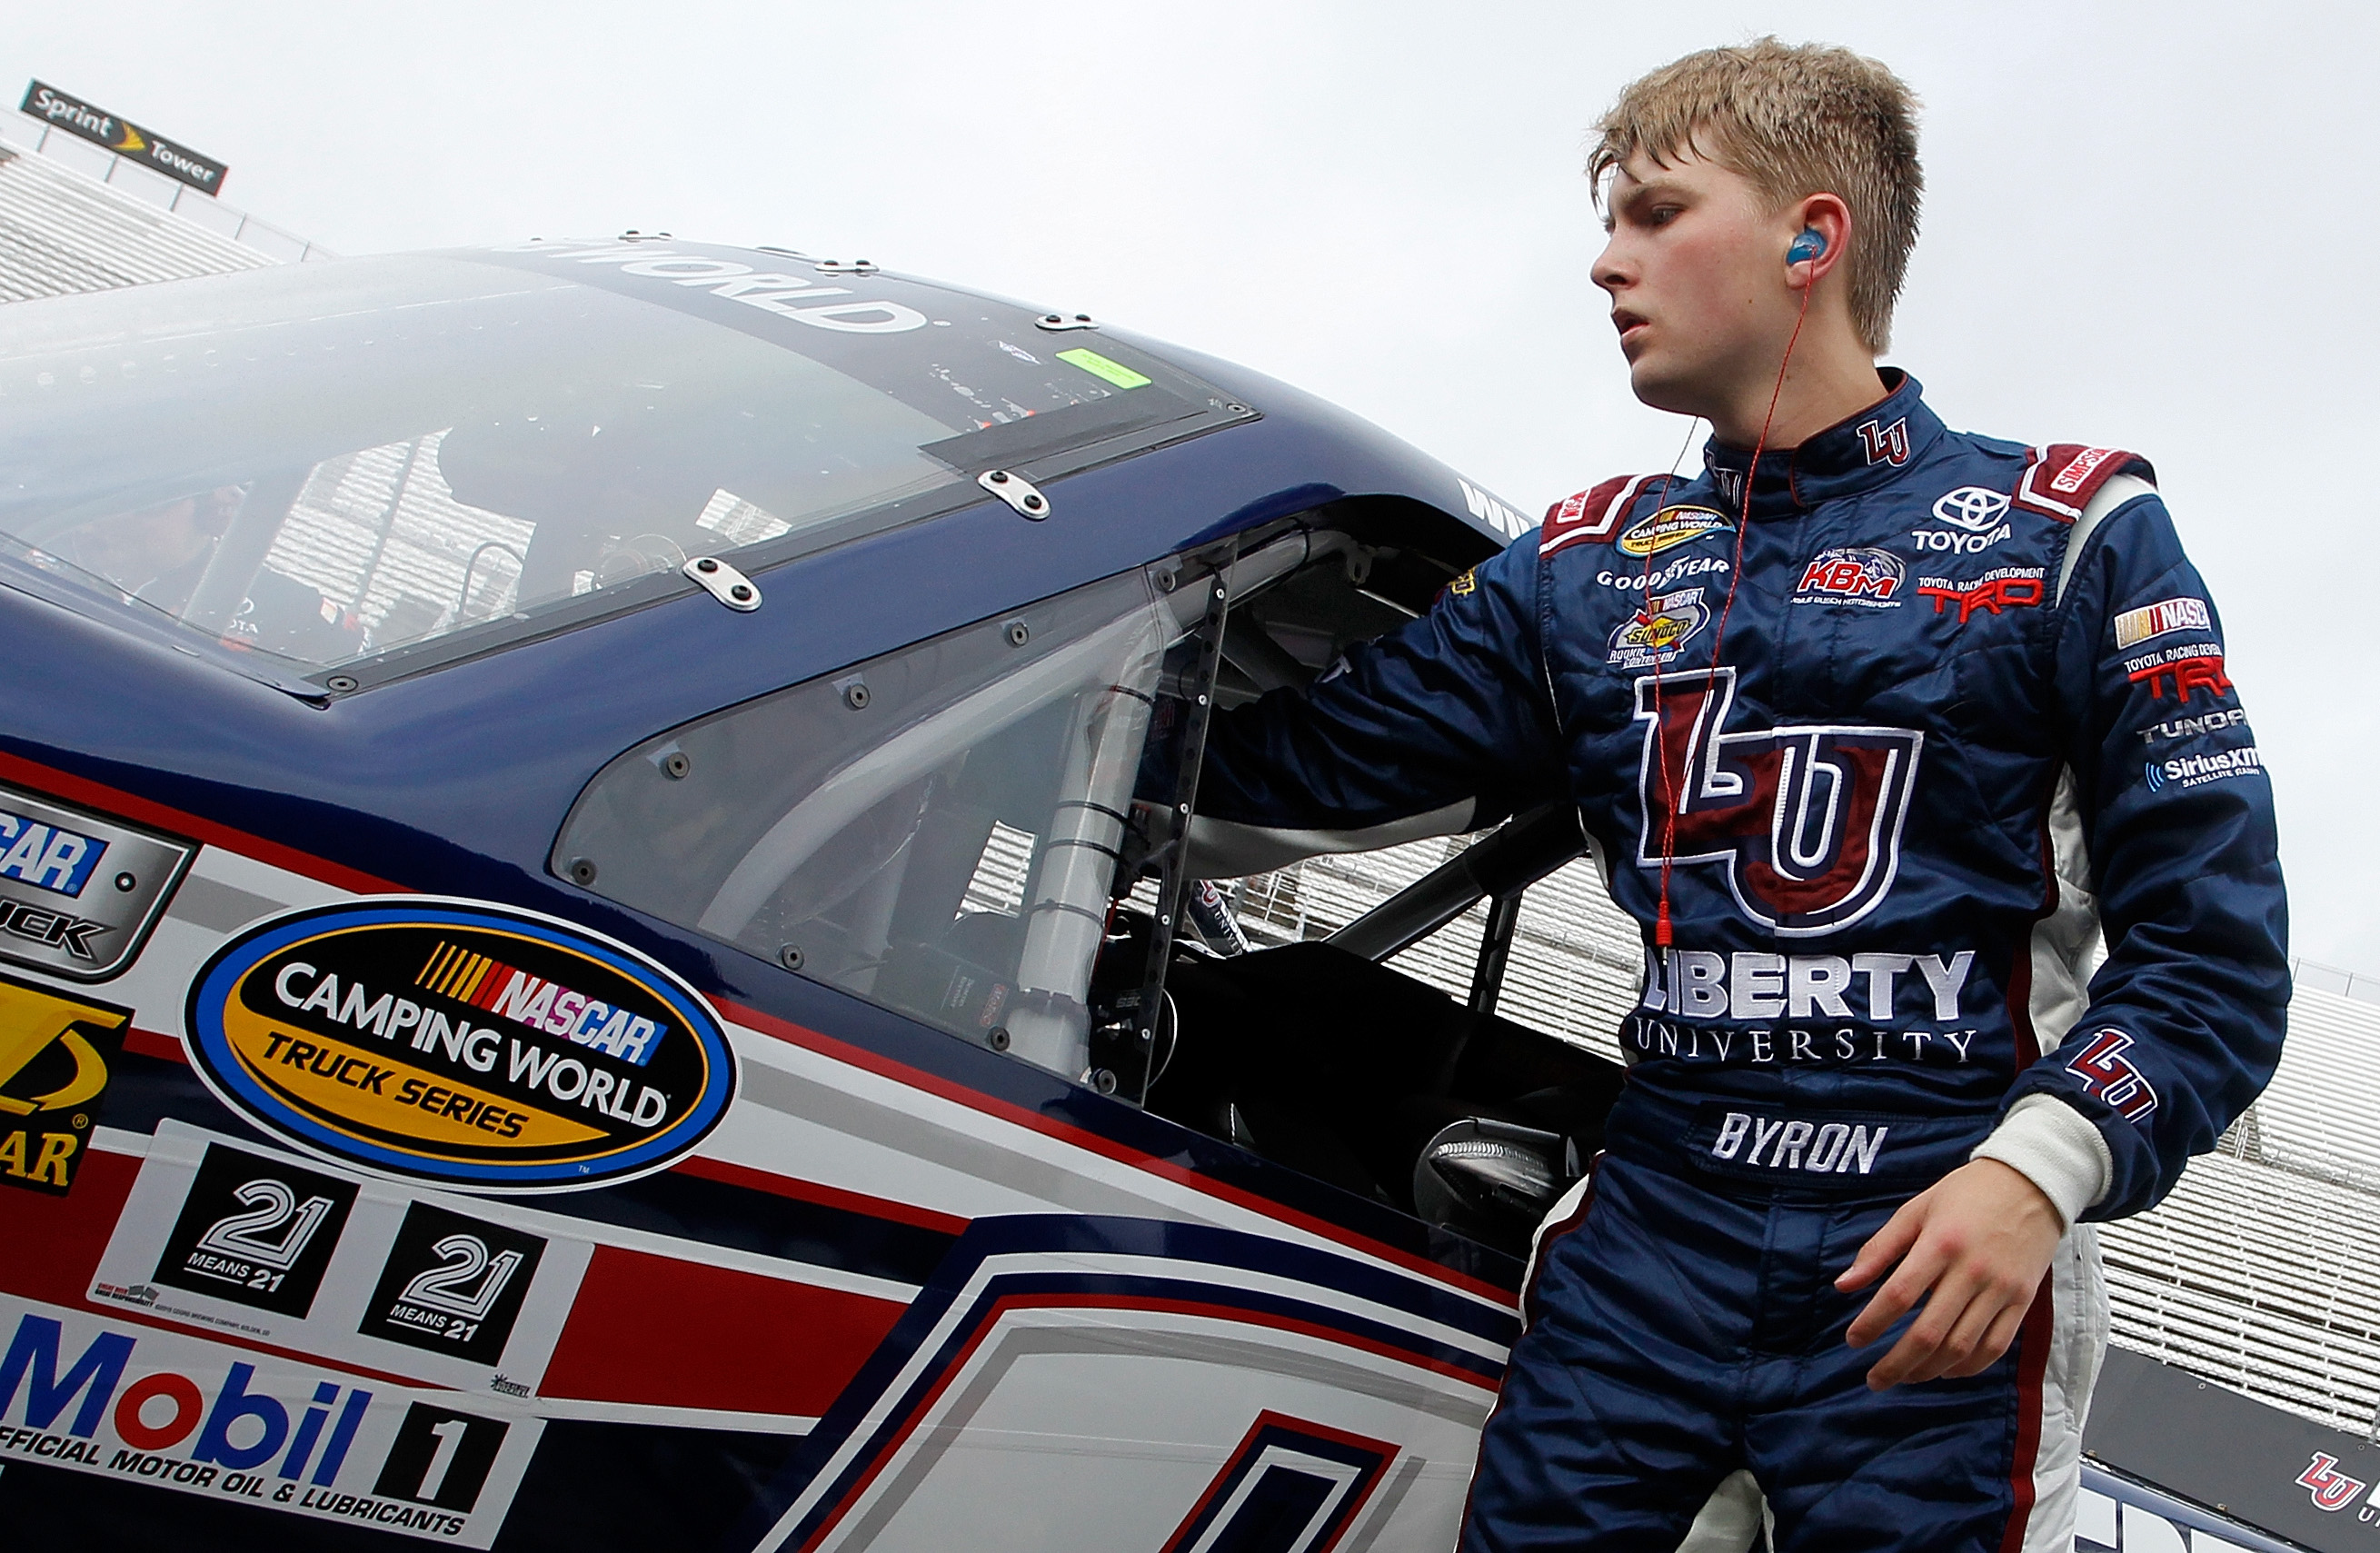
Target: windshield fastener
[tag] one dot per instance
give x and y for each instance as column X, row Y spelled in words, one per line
column 1016, row 491
column 723, row 583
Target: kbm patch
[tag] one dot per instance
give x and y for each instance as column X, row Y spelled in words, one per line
column 78, row 893
column 1669, row 528
column 1853, row 575
column 58, row 1052
column 456, row 1042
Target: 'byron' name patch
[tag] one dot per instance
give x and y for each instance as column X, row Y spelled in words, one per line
column 1796, row 1143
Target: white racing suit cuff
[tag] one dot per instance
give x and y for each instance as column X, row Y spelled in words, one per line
column 2055, row 1147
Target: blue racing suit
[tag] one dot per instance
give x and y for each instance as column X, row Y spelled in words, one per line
column 1945, row 710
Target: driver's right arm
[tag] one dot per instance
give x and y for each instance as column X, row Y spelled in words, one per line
column 1443, row 725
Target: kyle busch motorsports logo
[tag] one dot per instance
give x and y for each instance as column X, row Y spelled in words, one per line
column 459, row 1042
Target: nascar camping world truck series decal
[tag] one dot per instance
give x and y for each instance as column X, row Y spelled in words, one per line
column 456, row 1042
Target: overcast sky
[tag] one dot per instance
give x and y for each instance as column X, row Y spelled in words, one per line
column 2150, row 226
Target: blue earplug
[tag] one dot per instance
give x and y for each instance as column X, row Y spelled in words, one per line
column 1809, row 244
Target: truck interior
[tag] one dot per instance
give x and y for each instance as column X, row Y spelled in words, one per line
column 1318, row 1054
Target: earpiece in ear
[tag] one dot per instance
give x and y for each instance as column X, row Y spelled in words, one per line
column 1809, row 244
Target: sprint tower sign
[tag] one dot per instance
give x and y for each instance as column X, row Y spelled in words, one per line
column 123, row 137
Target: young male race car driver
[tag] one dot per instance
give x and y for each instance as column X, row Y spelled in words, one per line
column 1873, row 732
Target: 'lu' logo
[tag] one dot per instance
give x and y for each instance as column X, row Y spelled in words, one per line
column 1884, row 443
column 1806, row 819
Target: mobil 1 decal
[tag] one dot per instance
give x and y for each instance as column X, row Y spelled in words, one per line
column 441, row 1457
column 457, row 1042
column 240, row 1432
column 452, row 1284
column 256, row 1231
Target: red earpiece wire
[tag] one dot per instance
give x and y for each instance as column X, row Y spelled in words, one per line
column 1661, row 932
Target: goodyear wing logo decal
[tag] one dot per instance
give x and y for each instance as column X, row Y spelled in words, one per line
column 56, row 1052
column 452, row 1041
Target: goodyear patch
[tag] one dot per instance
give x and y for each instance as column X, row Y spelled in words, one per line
column 458, row 1042
column 1669, row 528
column 56, row 1053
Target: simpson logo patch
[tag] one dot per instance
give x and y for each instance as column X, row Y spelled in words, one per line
column 2069, row 479
column 454, row 1042
column 2134, row 626
column 1669, row 528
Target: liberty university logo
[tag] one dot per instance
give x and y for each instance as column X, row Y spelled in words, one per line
column 1805, row 819
column 1884, row 443
column 2333, row 1490
column 2108, row 1073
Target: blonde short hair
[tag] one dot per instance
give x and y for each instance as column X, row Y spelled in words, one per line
column 1795, row 120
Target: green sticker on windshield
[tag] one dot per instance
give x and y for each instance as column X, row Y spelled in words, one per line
column 1099, row 366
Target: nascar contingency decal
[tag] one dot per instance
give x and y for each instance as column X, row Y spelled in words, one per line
column 78, row 893
column 452, row 1041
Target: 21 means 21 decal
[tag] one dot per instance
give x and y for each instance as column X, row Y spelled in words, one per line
column 459, row 1042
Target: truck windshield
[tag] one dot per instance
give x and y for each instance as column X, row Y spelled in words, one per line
column 372, row 466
